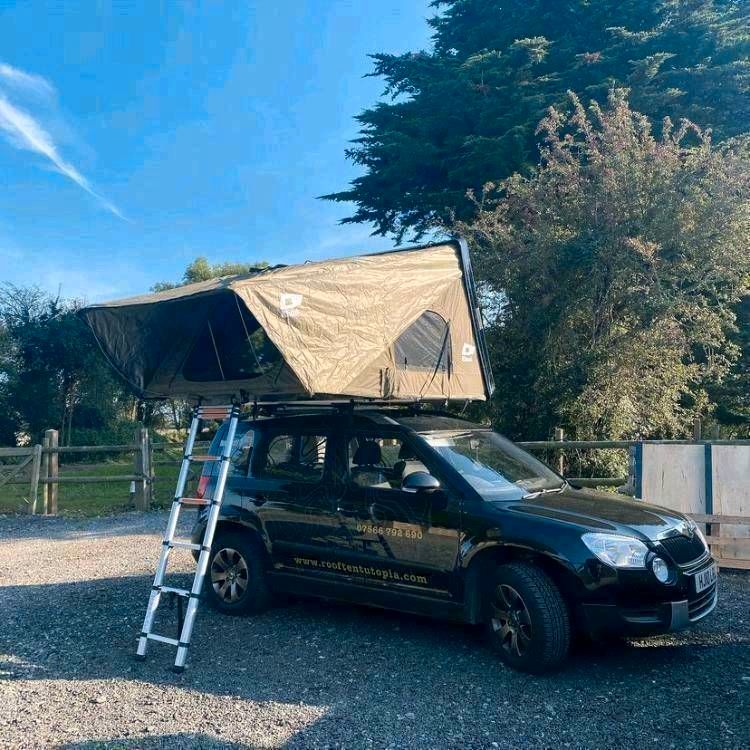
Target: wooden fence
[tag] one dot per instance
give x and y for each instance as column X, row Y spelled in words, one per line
column 40, row 465
column 29, row 459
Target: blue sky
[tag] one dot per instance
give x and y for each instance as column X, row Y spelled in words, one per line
column 135, row 136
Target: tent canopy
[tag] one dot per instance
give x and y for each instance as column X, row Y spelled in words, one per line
column 395, row 325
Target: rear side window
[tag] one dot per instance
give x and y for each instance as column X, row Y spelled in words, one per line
column 242, row 450
column 299, row 457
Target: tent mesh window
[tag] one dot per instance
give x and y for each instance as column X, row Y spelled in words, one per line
column 231, row 345
column 425, row 344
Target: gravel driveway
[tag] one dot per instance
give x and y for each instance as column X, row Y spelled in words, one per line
column 319, row 675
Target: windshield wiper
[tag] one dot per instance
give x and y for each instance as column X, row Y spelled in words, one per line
column 546, row 491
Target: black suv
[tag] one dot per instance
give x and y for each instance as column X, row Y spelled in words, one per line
column 434, row 515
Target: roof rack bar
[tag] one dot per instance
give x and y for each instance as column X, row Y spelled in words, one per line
column 270, row 408
column 338, row 404
column 357, row 401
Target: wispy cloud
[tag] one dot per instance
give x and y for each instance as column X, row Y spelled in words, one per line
column 23, row 131
column 27, row 82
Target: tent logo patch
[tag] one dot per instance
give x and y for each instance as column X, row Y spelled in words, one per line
column 467, row 353
column 289, row 304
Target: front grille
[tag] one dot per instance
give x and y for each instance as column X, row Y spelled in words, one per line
column 702, row 603
column 683, row 549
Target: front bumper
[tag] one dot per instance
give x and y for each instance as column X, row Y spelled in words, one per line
column 650, row 619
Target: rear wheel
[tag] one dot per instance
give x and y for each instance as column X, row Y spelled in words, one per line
column 527, row 619
column 235, row 579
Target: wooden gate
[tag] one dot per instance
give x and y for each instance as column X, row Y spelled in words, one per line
column 28, row 460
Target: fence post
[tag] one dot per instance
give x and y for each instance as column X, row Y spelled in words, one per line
column 697, row 427
column 142, row 470
column 44, row 473
column 53, row 466
column 559, row 437
column 34, row 489
column 150, row 467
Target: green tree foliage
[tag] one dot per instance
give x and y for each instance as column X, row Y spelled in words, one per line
column 201, row 270
column 466, row 111
column 732, row 394
column 8, row 413
column 618, row 266
column 52, row 374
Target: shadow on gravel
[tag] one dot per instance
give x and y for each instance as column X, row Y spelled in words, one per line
column 62, row 528
column 180, row 740
column 365, row 665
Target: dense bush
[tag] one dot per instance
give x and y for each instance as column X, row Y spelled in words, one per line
column 616, row 269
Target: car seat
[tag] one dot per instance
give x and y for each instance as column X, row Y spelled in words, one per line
column 407, row 463
column 368, row 470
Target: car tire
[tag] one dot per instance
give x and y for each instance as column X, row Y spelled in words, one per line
column 235, row 580
column 528, row 623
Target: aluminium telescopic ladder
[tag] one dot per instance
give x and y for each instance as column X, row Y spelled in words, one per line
column 201, row 413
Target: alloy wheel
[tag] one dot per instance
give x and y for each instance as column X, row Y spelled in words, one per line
column 511, row 620
column 229, row 575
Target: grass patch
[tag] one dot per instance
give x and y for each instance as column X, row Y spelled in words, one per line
column 94, row 499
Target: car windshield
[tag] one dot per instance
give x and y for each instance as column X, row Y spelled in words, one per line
column 492, row 465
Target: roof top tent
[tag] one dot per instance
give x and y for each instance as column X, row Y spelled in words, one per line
column 401, row 325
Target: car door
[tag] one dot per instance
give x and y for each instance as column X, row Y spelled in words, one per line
column 293, row 496
column 399, row 539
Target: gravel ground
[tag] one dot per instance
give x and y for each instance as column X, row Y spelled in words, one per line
column 320, row 675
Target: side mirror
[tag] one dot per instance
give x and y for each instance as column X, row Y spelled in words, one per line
column 420, row 481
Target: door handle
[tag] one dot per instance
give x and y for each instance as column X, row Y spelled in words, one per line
column 346, row 511
column 259, row 498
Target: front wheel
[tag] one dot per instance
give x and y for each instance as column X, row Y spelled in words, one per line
column 527, row 619
column 235, row 579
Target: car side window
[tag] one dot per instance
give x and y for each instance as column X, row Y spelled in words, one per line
column 242, row 450
column 298, row 457
column 380, row 461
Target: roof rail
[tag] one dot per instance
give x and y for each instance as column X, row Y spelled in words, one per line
column 267, row 408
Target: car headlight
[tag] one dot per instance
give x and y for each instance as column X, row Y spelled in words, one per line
column 617, row 550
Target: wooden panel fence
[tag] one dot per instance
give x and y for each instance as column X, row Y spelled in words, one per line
column 719, row 542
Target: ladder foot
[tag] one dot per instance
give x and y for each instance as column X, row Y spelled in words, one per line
column 178, row 670
column 138, row 657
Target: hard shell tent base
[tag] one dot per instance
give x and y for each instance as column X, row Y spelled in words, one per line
column 398, row 326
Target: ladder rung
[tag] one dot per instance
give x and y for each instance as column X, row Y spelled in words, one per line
column 196, row 501
column 204, row 459
column 221, row 412
column 173, row 590
column 162, row 639
column 185, row 545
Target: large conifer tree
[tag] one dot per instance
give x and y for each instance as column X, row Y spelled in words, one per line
column 466, row 112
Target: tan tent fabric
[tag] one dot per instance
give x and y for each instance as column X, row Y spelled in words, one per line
column 336, row 324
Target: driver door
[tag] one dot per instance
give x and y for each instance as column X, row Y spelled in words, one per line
column 402, row 540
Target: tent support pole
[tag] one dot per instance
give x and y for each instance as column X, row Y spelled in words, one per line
column 216, row 350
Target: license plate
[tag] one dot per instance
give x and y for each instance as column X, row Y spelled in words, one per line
column 705, row 578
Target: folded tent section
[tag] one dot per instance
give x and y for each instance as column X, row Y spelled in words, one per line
column 398, row 325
